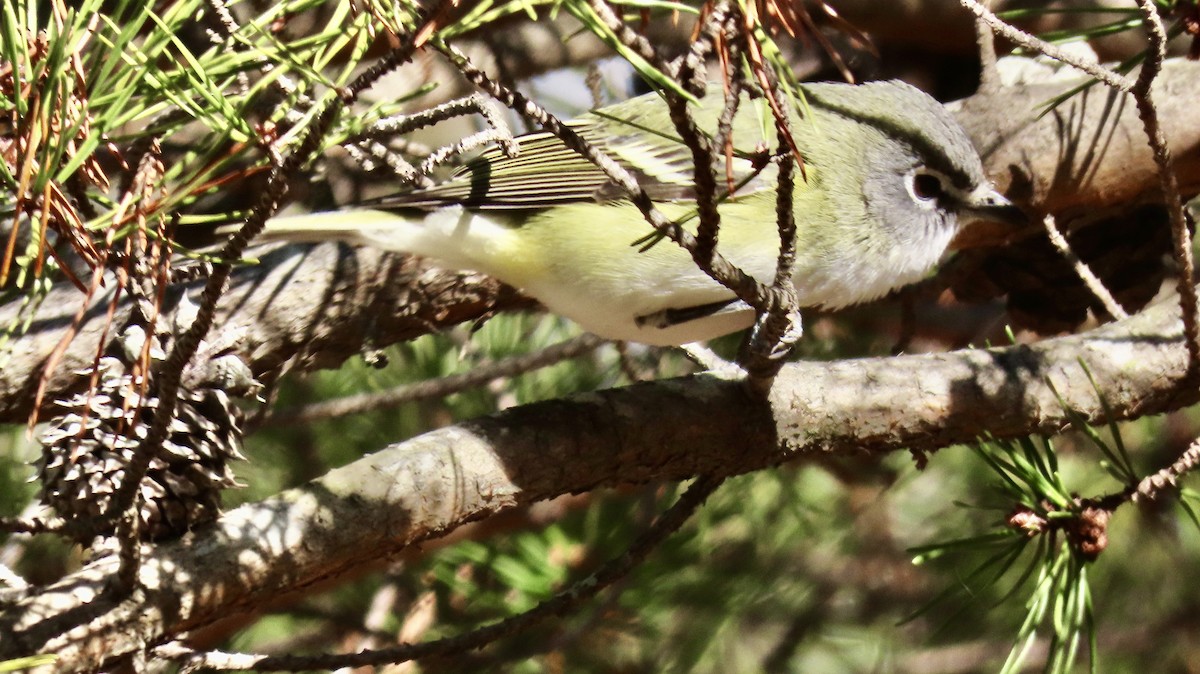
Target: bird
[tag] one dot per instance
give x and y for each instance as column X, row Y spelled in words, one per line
column 888, row 179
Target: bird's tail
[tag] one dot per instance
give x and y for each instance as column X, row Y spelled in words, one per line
column 352, row 226
column 453, row 236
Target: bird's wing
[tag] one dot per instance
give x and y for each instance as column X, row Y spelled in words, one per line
column 545, row 172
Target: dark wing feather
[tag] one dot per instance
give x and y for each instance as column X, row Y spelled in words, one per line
column 546, row 173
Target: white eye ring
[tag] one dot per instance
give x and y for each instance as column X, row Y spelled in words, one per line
column 926, row 186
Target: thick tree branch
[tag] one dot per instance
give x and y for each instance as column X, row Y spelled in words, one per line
column 1088, row 155
column 307, row 306
column 427, row 486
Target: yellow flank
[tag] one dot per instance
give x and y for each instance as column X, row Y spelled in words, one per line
column 579, row 245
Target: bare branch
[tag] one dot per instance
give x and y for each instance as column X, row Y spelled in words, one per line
column 1032, row 43
column 612, row 571
column 427, row 486
column 303, row 306
column 437, row 388
column 989, row 73
column 1084, row 272
column 1154, row 485
column 1181, row 239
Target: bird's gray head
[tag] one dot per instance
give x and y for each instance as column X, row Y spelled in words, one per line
column 923, row 177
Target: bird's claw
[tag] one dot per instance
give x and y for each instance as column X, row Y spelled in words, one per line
column 771, row 342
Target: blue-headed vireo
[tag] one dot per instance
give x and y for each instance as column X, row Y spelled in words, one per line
column 889, row 179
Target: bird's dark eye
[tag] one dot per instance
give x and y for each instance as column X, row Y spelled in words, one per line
column 927, row 186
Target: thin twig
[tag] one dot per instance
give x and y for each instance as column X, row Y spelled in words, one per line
column 369, row 154
column 226, row 28
column 778, row 326
column 192, row 271
column 718, row 25
column 1032, row 43
column 704, row 178
column 437, row 388
column 612, row 571
column 594, row 79
column 989, row 71
column 1084, row 272
column 723, row 141
column 630, row 37
column 299, row 103
column 785, row 213
column 691, row 76
column 220, row 10
column 1151, row 487
column 1181, row 239
column 497, row 132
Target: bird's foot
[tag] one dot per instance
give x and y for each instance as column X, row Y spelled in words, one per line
column 771, row 341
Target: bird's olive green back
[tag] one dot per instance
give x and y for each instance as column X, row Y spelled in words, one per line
column 637, row 133
column 832, row 127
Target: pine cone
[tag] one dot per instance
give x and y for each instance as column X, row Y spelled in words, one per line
column 86, row 450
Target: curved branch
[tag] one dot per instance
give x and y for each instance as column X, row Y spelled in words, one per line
column 1088, row 154
column 305, row 306
column 427, row 486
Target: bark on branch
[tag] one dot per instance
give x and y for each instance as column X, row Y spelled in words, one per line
column 1088, row 155
column 307, row 306
column 424, row 487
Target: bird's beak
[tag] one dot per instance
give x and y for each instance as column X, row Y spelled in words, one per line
column 985, row 203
